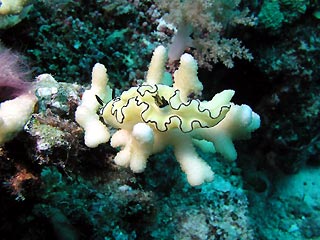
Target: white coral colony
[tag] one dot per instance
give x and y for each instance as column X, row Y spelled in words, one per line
column 155, row 115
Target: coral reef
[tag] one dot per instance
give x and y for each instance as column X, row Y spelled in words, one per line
column 53, row 186
column 275, row 13
column 65, row 39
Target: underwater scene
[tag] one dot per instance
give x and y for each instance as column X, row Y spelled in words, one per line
column 159, row 119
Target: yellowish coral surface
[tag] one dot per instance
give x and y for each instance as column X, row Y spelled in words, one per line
column 12, row 6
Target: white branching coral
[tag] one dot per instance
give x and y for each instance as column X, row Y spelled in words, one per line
column 95, row 131
column 154, row 115
column 14, row 114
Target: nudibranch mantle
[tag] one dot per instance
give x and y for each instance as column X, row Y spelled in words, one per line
column 160, row 107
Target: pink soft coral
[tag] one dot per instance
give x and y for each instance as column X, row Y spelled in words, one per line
column 13, row 75
column 203, row 25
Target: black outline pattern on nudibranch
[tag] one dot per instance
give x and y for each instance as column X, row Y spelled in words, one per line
column 161, row 102
column 153, row 90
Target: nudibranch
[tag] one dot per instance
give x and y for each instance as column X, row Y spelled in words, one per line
column 159, row 113
column 160, row 107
